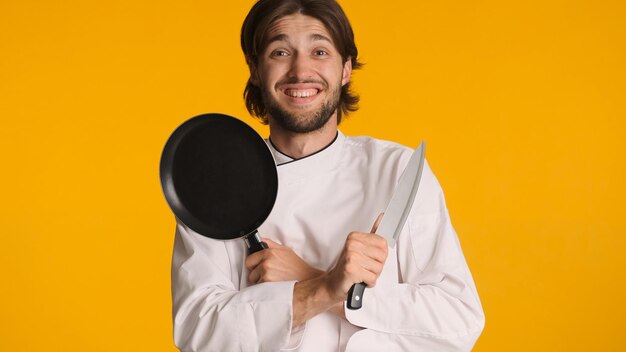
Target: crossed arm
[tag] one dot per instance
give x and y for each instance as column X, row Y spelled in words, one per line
column 317, row 291
column 434, row 307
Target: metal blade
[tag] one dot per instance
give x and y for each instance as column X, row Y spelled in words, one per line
column 400, row 205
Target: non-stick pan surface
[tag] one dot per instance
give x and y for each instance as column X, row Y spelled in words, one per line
column 218, row 176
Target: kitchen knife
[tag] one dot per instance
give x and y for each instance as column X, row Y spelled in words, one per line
column 396, row 213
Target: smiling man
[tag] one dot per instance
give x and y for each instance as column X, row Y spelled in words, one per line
column 300, row 75
column 291, row 296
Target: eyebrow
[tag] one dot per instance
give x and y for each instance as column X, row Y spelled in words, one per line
column 315, row 37
column 312, row 37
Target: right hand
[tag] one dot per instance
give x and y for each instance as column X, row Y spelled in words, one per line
column 361, row 260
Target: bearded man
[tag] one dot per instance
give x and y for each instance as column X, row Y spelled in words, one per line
column 291, row 296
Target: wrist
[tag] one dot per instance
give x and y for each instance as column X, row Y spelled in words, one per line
column 319, row 292
column 314, row 273
column 312, row 297
column 338, row 309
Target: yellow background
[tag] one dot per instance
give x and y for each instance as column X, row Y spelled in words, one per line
column 521, row 103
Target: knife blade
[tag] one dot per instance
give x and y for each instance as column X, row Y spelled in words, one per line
column 396, row 213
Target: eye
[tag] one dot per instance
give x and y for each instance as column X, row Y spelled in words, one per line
column 320, row 52
column 279, row 52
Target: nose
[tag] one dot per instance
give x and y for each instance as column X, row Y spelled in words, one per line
column 301, row 67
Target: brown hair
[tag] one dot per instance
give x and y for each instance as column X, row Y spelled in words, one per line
column 254, row 40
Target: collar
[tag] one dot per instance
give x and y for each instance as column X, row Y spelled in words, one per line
column 321, row 161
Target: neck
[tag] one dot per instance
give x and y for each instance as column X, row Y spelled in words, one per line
column 299, row 145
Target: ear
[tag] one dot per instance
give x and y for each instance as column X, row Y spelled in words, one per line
column 347, row 71
column 254, row 73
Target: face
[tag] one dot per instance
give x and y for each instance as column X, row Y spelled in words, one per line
column 300, row 74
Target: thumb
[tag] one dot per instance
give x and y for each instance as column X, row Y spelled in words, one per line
column 377, row 222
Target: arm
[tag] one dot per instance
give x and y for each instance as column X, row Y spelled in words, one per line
column 426, row 296
column 210, row 310
column 361, row 260
column 212, row 313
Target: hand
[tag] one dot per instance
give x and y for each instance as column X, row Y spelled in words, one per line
column 278, row 263
column 361, row 260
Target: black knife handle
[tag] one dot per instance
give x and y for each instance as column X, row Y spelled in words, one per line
column 254, row 243
column 355, row 296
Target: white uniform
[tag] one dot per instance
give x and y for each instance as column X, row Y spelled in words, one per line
column 425, row 299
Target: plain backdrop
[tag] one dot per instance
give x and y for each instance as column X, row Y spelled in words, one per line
column 522, row 105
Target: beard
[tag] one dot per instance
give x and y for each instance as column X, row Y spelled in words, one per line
column 304, row 122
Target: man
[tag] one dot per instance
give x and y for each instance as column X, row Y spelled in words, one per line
column 420, row 295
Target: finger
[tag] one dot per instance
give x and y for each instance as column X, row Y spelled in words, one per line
column 254, row 259
column 260, row 272
column 376, row 251
column 370, row 279
column 363, row 271
column 356, row 242
column 365, row 243
column 374, row 240
column 270, row 243
column 372, row 266
column 255, row 275
column 377, row 222
column 377, row 254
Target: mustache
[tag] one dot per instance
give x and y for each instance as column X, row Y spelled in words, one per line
column 295, row 80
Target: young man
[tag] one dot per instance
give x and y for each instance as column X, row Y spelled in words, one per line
column 420, row 296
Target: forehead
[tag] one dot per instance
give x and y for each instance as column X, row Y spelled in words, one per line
column 298, row 25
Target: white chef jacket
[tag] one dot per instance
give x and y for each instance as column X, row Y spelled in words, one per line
column 424, row 300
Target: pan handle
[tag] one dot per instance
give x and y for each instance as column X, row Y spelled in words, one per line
column 254, row 243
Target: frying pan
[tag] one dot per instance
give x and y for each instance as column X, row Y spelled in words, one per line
column 219, row 178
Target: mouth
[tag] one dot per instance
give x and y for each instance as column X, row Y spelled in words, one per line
column 301, row 93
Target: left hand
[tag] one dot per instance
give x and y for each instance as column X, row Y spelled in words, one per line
column 278, row 263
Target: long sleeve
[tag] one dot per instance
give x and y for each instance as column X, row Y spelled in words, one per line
column 425, row 300
column 211, row 312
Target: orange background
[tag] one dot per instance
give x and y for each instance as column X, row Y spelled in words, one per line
column 522, row 105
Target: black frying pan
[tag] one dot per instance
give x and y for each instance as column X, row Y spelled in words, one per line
column 219, row 178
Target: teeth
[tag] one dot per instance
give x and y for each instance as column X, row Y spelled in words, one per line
column 300, row 93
